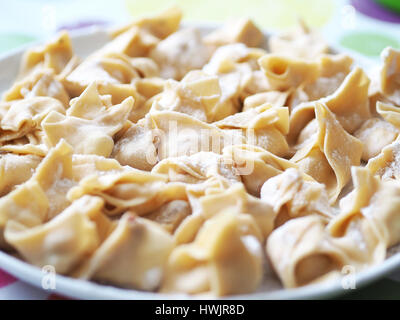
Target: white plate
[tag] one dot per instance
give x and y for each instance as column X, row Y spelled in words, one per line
column 84, row 43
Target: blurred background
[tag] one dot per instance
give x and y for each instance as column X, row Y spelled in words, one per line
column 363, row 27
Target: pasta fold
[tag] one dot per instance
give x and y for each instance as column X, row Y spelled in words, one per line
column 225, row 246
column 133, row 255
column 389, row 75
column 62, row 242
column 327, row 152
column 54, row 55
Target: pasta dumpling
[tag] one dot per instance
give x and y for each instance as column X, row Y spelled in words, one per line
column 236, row 199
column 160, row 25
column 55, row 55
column 133, row 255
column 292, row 195
column 264, row 126
column 89, row 125
column 284, row 73
column 180, row 53
column 198, row 95
column 62, row 242
column 375, row 134
column 16, row 169
column 349, row 103
column 307, row 256
column 236, row 31
column 132, row 189
column 197, row 168
column 41, row 83
column 389, row 75
column 255, row 165
column 238, row 71
column 225, row 246
column 320, row 251
column 299, row 43
column 328, row 152
column 42, row 196
column 25, row 116
column 107, row 68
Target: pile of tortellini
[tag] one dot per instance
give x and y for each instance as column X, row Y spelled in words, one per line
column 176, row 161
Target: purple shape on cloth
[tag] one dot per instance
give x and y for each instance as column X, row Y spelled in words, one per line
column 372, row 9
column 83, row 24
column 6, row 279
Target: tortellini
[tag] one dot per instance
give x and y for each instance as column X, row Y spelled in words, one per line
column 319, row 251
column 62, row 242
column 132, row 189
column 198, row 94
column 293, row 195
column 284, row 73
column 255, row 165
column 389, row 76
column 90, row 123
column 161, row 25
column 55, row 55
column 327, row 152
column 42, row 83
column 225, row 246
column 197, row 168
column 236, row 31
column 176, row 134
column 264, row 126
column 25, row 116
column 180, row 53
column 307, row 256
column 176, row 160
column 238, row 70
column 108, row 68
column 349, row 103
column 235, row 199
column 16, row 169
column 375, row 134
column 133, row 255
column 42, row 196
column 299, row 43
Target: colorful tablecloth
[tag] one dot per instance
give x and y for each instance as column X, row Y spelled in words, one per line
column 12, row 288
column 361, row 26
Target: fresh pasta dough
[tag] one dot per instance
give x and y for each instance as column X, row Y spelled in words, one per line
column 55, row 55
column 42, row 83
column 292, row 195
column 389, row 80
column 24, row 116
column 133, row 255
column 300, row 43
column 227, row 245
column 176, row 160
column 236, row 31
column 264, row 126
column 179, row 53
column 62, row 242
column 327, row 151
column 198, row 94
column 90, row 123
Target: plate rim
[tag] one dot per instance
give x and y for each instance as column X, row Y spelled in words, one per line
column 84, row 289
